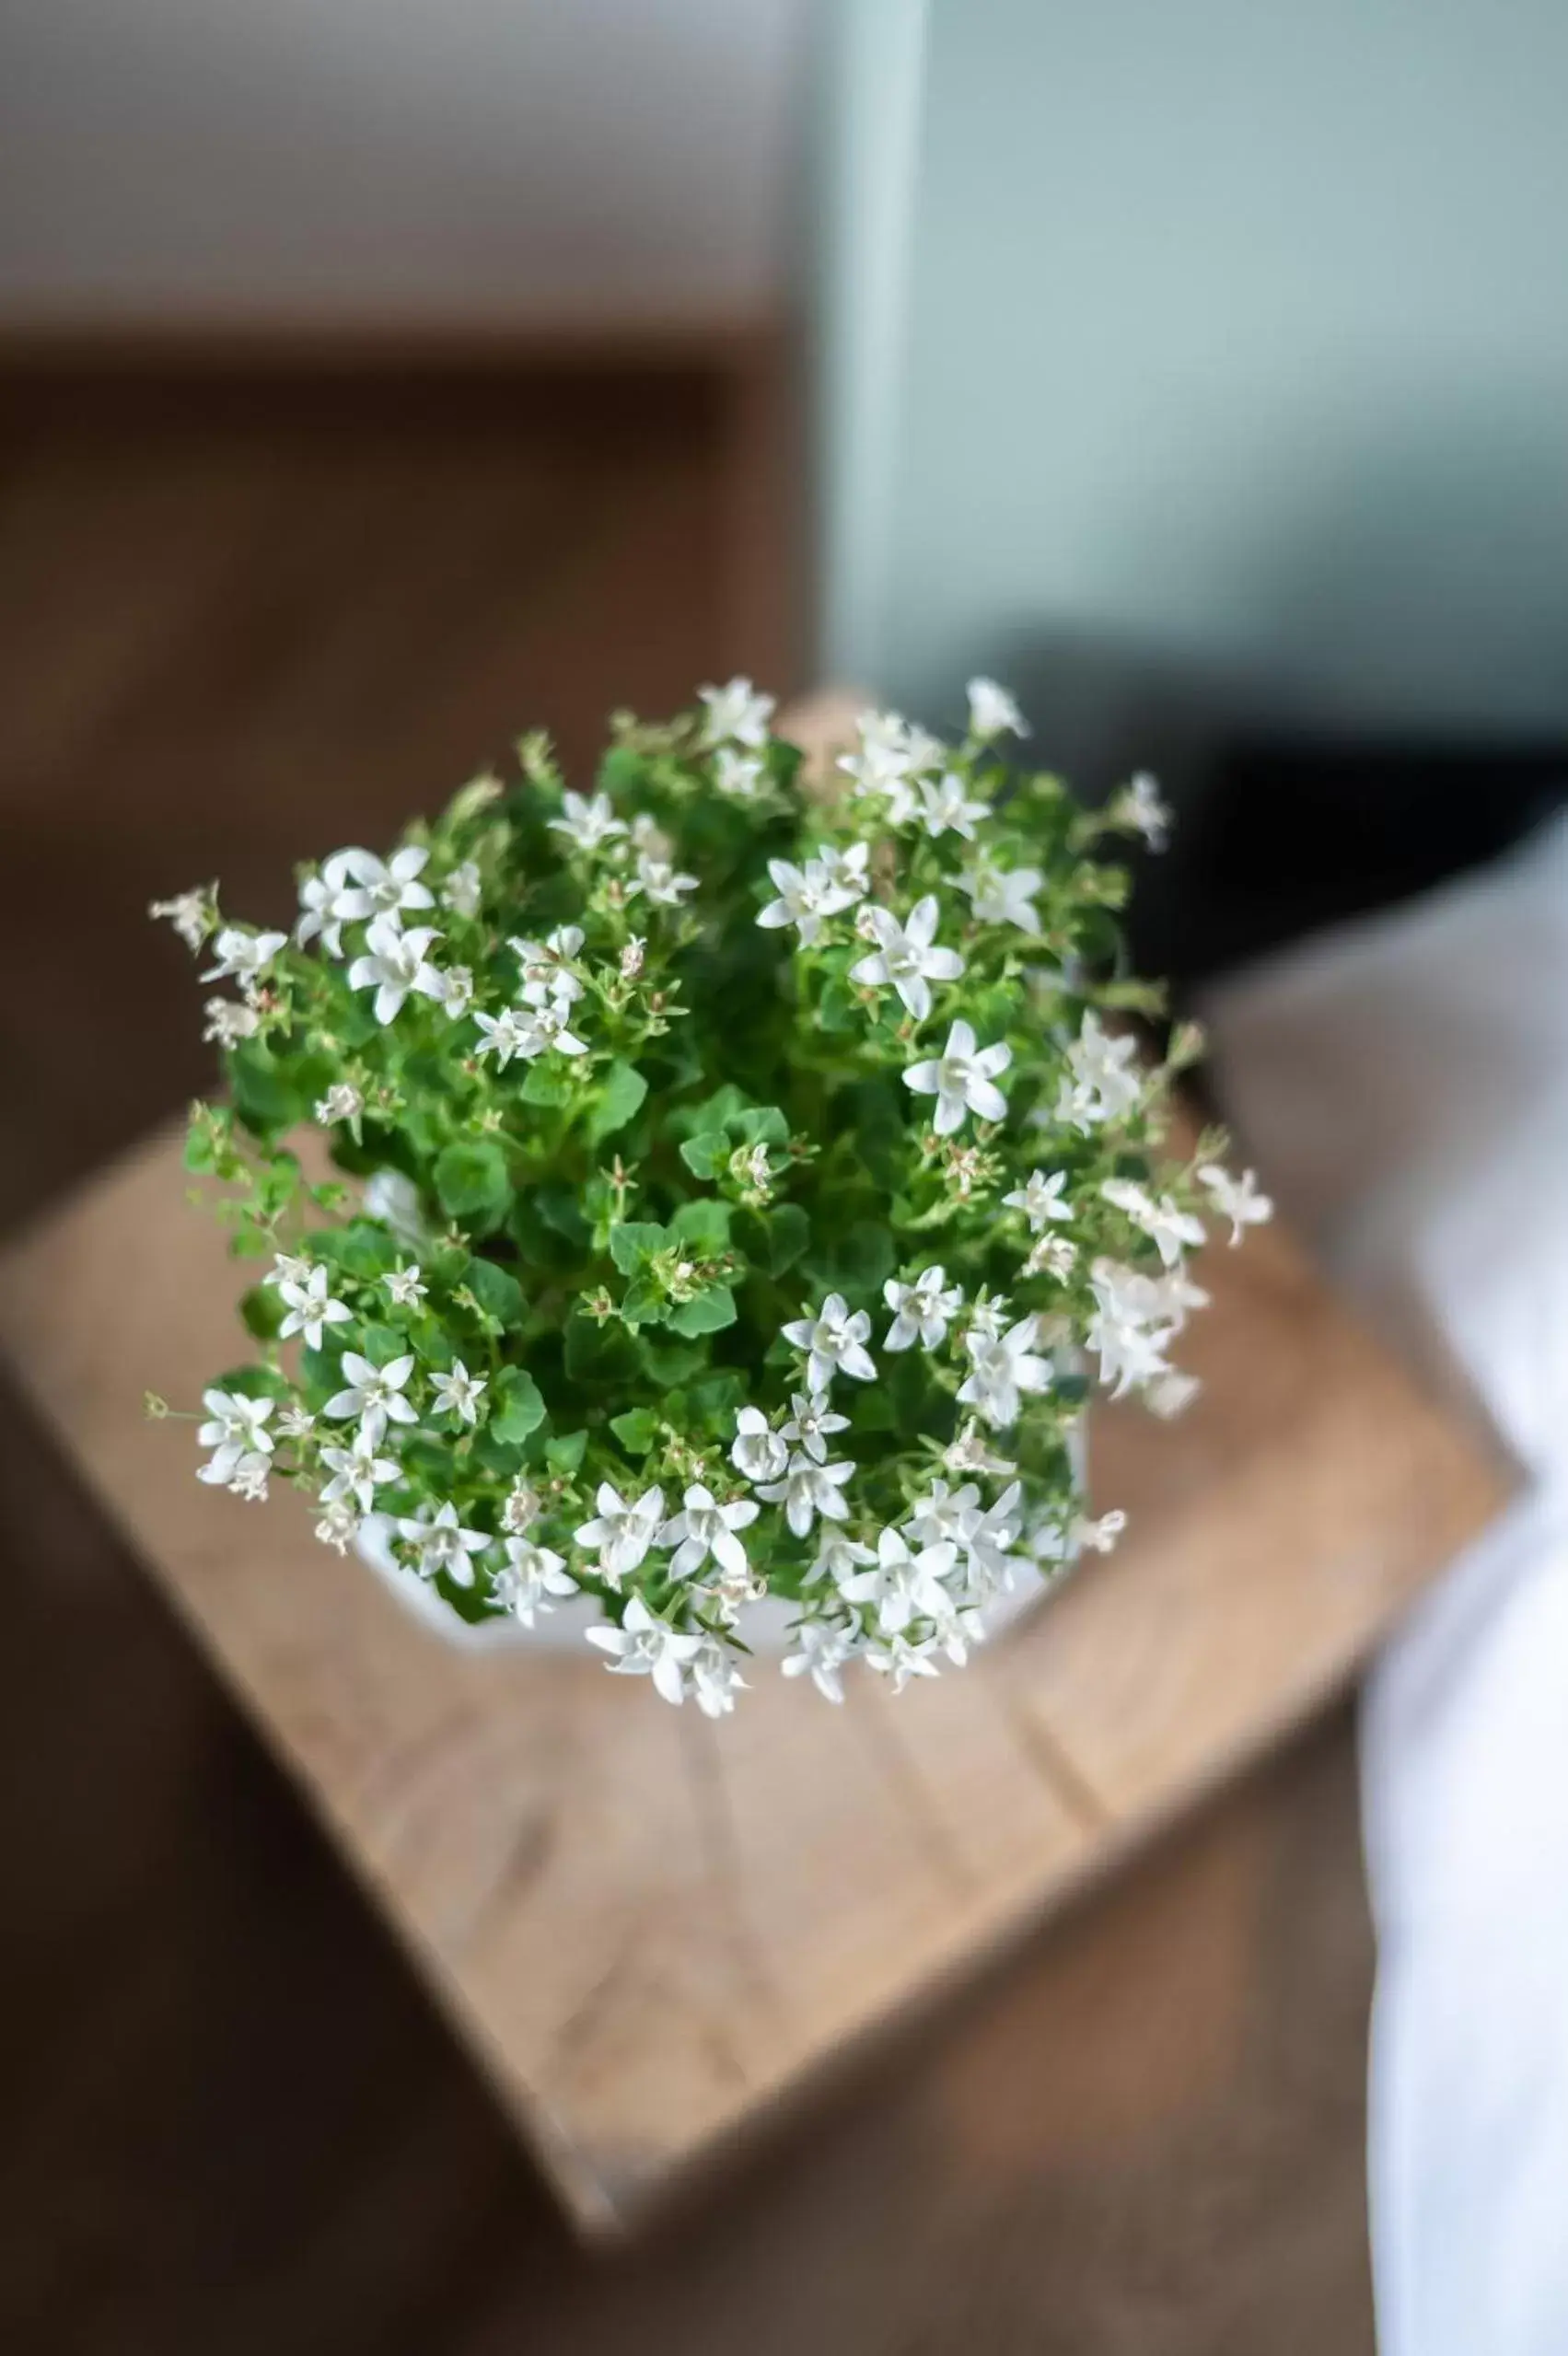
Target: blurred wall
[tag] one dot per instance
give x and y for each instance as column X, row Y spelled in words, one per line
column 1230, row 345
column 578, row 162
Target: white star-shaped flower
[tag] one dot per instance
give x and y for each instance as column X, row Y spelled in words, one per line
column 805, row 896
column 1003, row 895
column 374, row 1394
column 921, row 1311
column 999, row 1370
column 807, row 1490
column 295, row 1423
column 657, row 880
column 1172, row 1229
column 382, row 886
column 646, row 1646
column 192, row 914
column 357, row 1471
column 457, row 1393
column 235, row 1428
column 406, row 1286
column 902, row 1585
column 1141, row 806
column 588, row 823
column 440, row 1543
column 846, row 867
column 229, row 1023
column 988, row 1543
column 1040, row 1197
column 736, row 714
column 811, row 1421
column 946, row 807
column 907, row 956
column 311, row 1308
column 244, row 955
column 1104, row 1080
column 250, row 1477
column 338, row 1527
column 394, row 963
column 392, row 1197
column 891, row 754
column 962, row 1079
column 899, row 1660
column 835, row 1341
column 992, row 711
column 703, row 1526
column 622, row 1532
column 945, row 1516
column 321, row 914
column 1236, row 1199
column 759, row 1452
column 821, row 1650
column 532, row 1576
column 739, row 774
column 463, row 890
column 343, row 1101
column 456, row 994
column 505, row 1035
column 839, row 1556
column 547, row 978
column 715, row 1678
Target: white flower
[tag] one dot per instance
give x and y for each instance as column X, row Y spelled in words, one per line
column 587, row 823
column 1000, row 1370
column 192, row 914
column 962, row 1079
column 899, row 1660
column 988, row 1321
column 906, row 956
column 703, row 1526
column 716, row 1679
column 821, row 1650
column 1140, row 806
column 249, row 1478
column 546, row 1034
column 373, row 1393
column 456, row 993
column 645, row 1646
column 892, row 751
column 321, row 909
column 759, row 1452
column 834, row 1342
column 622, row 1532
column 295, row 1423
column 457, row 1394
column 343, row 1101
column 1100, row 1537
column 1123, row 1332
column 230, row 1022
column 805, row 895
column 1168, row 1226
column 992, row 711
column 236, row 1428
column 807, row 1490
column 546, row 977
column 902, row 1585
column 921, row 1311
column 393, row 964
column 392, row 1197
column 1003, row 895
column 1040, row 1199
column 522, row 1508
column 810, row 1421
column 382, row 887
column 338, row 1527
column 532, row 1574
column 1104, row 1080
column 406, row 1286
column 946, row 807
column 1051, row 1255
column 658, row 880
column 737, row 773
column 440, row 1543
column 846, row 870
column 505, row 1035
column 1236, row 1199
column 945, row 1516
column 971, row 1452
column 736, row 714
column 462, row 889
column 244, row 955
column 838, row 1557
column 311, row 1308
column 286, row 1269
column 632, row 957
column 357, row 1471
column 988, row 1543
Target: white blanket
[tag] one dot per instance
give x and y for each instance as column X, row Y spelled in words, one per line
column 1402, row 1086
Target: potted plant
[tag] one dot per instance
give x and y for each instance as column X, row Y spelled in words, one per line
column 736, row 1189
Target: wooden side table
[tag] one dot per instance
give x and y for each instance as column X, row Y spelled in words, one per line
column 651, row 1928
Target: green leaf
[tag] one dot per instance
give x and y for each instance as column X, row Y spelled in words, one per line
column 518, row 1408
column 264, row 1095
column 255, row 1382
column 634, row 1244
column 495, row 1289
column 858, row 1260
column 643, row 1302
column 707, row 1153
column 623, row 1089
column 789, row 1232
column 636, row 1430
column 710, row 1312
column 704, row 1224
column 762, row 1125
column 470, row 1181
column 668, row 1363
column 603, row 1355
column 838, row 1009
column 565, row 1452
column 546, row 1085
column 717, row 1396
column 261, row 1311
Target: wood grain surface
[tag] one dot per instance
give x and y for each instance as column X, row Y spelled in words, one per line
column 651, row 1927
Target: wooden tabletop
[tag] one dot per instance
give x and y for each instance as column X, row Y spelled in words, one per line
column 650, row 1927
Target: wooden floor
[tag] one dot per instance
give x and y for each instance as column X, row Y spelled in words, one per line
column 238, row 622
